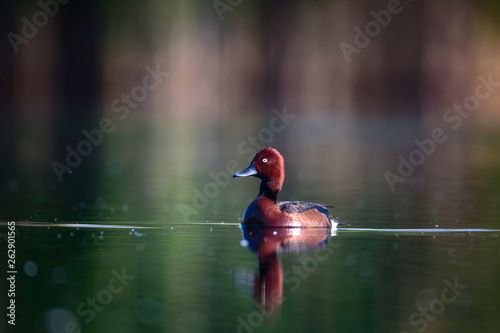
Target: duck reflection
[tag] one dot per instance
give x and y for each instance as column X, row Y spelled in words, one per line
column 267, row 243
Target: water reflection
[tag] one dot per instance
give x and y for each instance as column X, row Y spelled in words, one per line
column 267, row 243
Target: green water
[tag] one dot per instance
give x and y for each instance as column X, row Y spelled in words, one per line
column 201, row 278
column 124, row 244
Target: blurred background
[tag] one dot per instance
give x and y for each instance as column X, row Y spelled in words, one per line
column 136, row 114
column 229, row 66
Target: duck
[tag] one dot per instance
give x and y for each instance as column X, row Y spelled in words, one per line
column 265, row 210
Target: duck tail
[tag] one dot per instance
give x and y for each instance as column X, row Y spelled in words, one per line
column 338, row 222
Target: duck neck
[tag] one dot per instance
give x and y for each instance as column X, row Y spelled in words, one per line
column 270, row 188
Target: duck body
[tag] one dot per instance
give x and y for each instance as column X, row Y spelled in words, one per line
column 265, row 210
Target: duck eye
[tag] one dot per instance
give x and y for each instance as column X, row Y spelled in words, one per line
column 264, row 160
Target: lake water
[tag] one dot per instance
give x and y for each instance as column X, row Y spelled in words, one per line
column 209, row 277
column 127, row 243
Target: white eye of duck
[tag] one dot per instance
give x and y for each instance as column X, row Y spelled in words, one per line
column 264, row 160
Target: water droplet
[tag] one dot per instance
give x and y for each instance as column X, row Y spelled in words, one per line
column 59, row 275
column 59, row 319
column 30, row 268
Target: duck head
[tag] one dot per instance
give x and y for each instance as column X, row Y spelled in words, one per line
column 269, row 166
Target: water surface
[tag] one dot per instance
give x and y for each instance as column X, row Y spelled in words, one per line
column 112, row 249
column 209, row 277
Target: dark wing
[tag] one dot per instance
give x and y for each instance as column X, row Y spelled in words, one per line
column 297, row 207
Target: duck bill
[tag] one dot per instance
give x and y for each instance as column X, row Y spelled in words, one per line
column 249, row 171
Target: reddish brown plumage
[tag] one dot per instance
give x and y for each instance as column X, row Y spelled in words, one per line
column 269, row 166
